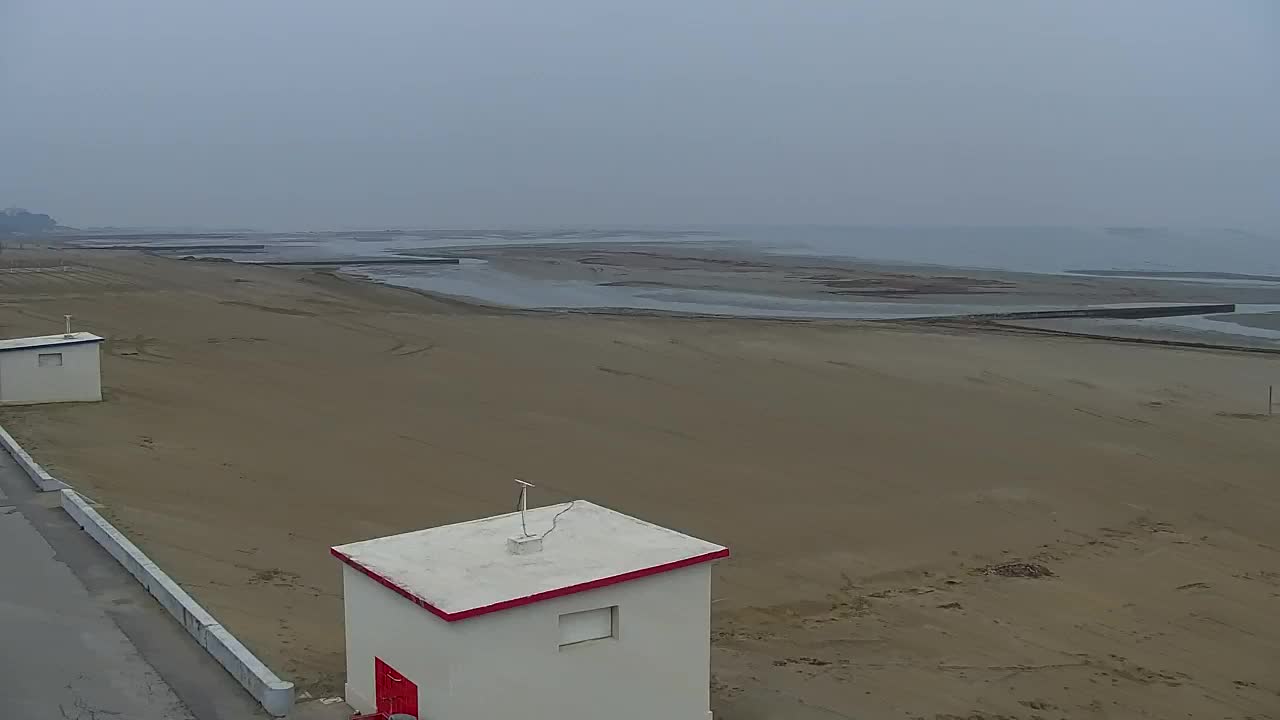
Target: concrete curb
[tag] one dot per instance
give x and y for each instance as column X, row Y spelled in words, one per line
column 275, row 695
column 42, row 479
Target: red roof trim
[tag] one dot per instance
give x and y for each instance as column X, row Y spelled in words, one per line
column 529, row 600
column 390, row 585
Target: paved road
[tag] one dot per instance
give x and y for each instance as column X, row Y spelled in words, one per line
column 63, row 656
column 80, row 639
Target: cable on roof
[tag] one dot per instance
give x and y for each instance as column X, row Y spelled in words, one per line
column 556, row 519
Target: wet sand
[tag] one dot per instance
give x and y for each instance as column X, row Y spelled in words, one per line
column 728, row 269
column 927, row 522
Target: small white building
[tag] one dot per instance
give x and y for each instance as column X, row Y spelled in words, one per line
column 581, row 613
column 50, row 368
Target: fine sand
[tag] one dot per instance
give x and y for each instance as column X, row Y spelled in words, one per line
column 926, row 522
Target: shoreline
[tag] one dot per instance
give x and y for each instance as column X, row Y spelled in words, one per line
column 714, row 281
column 996, row 326
column 986, row 324
column 656, row 274
column 983, row 322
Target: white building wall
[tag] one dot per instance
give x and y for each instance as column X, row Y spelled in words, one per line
column 381, row 623
column 24, row 381
column 509, row 663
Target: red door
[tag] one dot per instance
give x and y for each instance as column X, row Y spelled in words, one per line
column 395, row 692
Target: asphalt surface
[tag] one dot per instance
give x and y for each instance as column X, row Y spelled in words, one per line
column 80, row 639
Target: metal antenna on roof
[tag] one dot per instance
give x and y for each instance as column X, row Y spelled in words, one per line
column 524, row 504
column 68, row 318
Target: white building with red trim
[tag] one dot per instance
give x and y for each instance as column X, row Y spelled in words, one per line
column 574, row 612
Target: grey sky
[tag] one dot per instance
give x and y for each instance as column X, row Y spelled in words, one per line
column 324, row 113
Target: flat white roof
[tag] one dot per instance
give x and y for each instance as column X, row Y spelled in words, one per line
column 463, row 570
column 47, row 340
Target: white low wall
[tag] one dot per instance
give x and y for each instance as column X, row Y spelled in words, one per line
column 275, row 694
column 42, row 479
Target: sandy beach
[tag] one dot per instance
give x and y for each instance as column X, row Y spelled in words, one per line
column 926, row 522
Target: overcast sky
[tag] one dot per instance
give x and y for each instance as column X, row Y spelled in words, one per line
column 297, row 114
